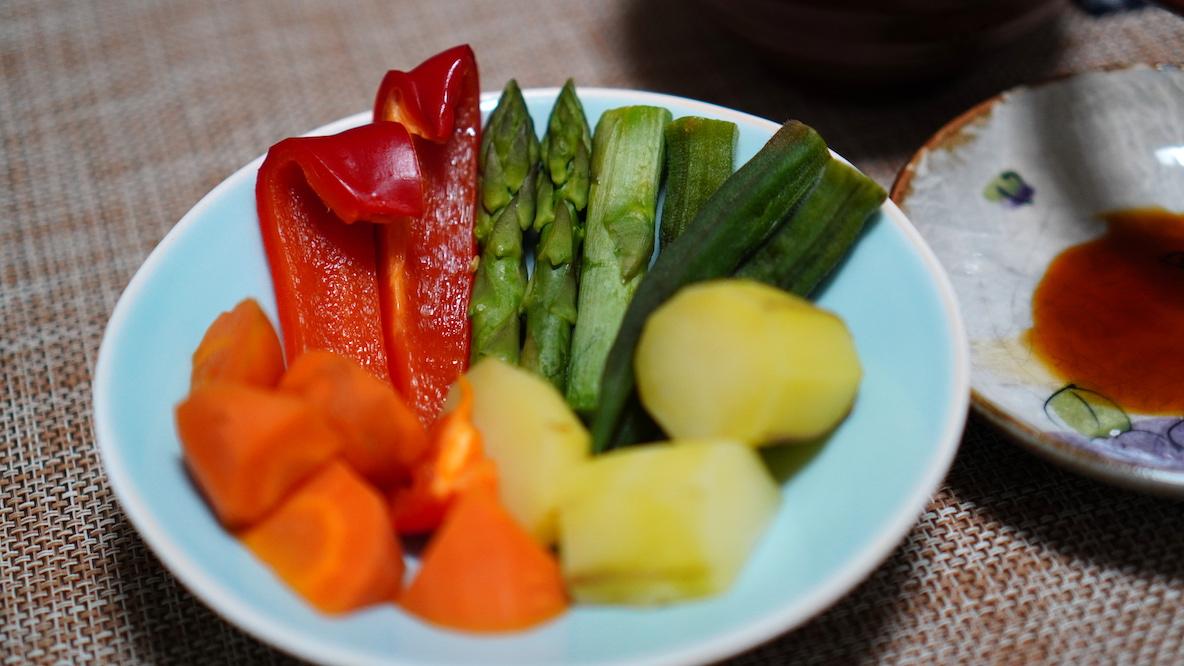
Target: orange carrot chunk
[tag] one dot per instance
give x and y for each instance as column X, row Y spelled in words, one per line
column 247, row 447
column 240, row 346
column 331, row 542
column 483, row 572
column 382, row 437
column 455, row 463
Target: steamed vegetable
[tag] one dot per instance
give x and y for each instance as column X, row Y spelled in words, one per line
column 742, row 360
column 240, row 346
column 749, row 205
column 402, row 246
column 425, row 262
column 247, row 447
column 455, row 464
column 804, row 250
column 626, row 173
column 699, row 153
column 533, row 437
column 382, row 439
column 509, row 164
column 331, row 542
column 483, row 572
column 663, row 522
column 315, row 196
column 564, row 178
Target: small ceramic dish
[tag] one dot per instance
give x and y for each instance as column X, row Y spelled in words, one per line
column 844, row 509
column 1000, row 192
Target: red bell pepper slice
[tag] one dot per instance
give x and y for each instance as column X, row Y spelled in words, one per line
column 455, row 464
column 309, row 193
column 426, row 267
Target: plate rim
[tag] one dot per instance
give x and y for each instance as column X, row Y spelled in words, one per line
column 785, row 618
column 1122, row 473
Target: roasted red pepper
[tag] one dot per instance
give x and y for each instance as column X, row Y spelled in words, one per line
column 426, row 267
column 309, row 192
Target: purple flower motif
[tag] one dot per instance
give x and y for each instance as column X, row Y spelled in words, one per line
column 1156, row 442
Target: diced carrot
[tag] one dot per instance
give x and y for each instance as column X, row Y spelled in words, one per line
column 483, row 572
column 456, row 462
column 383, row 438
column 248, row 447
column 332, row 542
column 240, row 346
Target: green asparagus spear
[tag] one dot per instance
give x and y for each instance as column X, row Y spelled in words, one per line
column 627, row 152
column 509, row 164
column 699, row 153
column 564, row 178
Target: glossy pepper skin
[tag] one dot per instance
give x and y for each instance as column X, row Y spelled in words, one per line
column 310, row 192
column 426, row 266
column 454, row 465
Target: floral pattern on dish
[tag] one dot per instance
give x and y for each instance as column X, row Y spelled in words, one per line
column 1011, row 189
column 1094, row 422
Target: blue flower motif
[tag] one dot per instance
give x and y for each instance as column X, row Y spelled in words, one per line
column 1009, row 188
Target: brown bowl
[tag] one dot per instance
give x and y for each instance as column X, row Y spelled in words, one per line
column 889, row 41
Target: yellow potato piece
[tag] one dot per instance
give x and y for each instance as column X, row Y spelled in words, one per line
column 533, row 437
column 658, row 523
column 741, row 360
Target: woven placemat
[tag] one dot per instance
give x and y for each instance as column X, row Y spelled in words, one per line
column 116, row 117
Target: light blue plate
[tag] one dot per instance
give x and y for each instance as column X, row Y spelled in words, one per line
column 842, row 513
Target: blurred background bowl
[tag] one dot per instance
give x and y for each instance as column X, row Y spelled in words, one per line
column 879, row 41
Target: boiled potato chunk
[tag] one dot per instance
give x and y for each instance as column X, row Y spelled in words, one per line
column 533, row 437
column 662, row 522
column 738, row 359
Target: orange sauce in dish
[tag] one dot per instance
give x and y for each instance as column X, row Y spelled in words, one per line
column 1108, row 314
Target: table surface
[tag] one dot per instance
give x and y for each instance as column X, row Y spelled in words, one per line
column 116, row 117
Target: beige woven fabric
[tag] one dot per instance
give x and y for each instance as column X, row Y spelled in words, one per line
column 117, row 116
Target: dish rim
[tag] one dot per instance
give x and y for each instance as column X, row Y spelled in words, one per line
column 788, row 616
